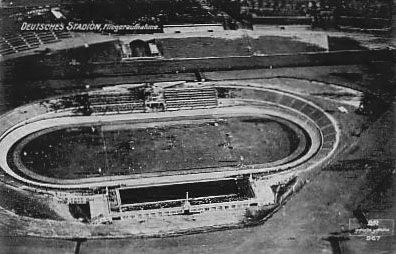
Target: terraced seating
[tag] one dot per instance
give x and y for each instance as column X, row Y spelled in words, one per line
column 62, row 34
column 124, row 107
column 327, row 128
column 176, row 99
column 257, row 95
column 312, row 112
column 14, row 43
column 222, row 199
column 112, row 99
column 5, row 47
column 179, row 203
column 117, row 102
column 150, row 206
column 31, row 39
column 46, row 37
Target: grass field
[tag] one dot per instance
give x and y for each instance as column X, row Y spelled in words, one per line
column 220, row 47
column 106, row 150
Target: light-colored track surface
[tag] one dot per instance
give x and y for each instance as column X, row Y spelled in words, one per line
column 303, row 113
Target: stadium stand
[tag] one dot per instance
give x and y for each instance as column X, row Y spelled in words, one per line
column 120, row 107
column 179, row 203
column 150, row 206
column 14, row 43
column 176, row 99
column 132, row 101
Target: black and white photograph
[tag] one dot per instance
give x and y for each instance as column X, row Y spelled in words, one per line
column 197, row 126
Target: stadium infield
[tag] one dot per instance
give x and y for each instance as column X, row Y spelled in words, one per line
column 130, row 148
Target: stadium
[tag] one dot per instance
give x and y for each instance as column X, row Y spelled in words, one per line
column 207, row 120
column 187, row 138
